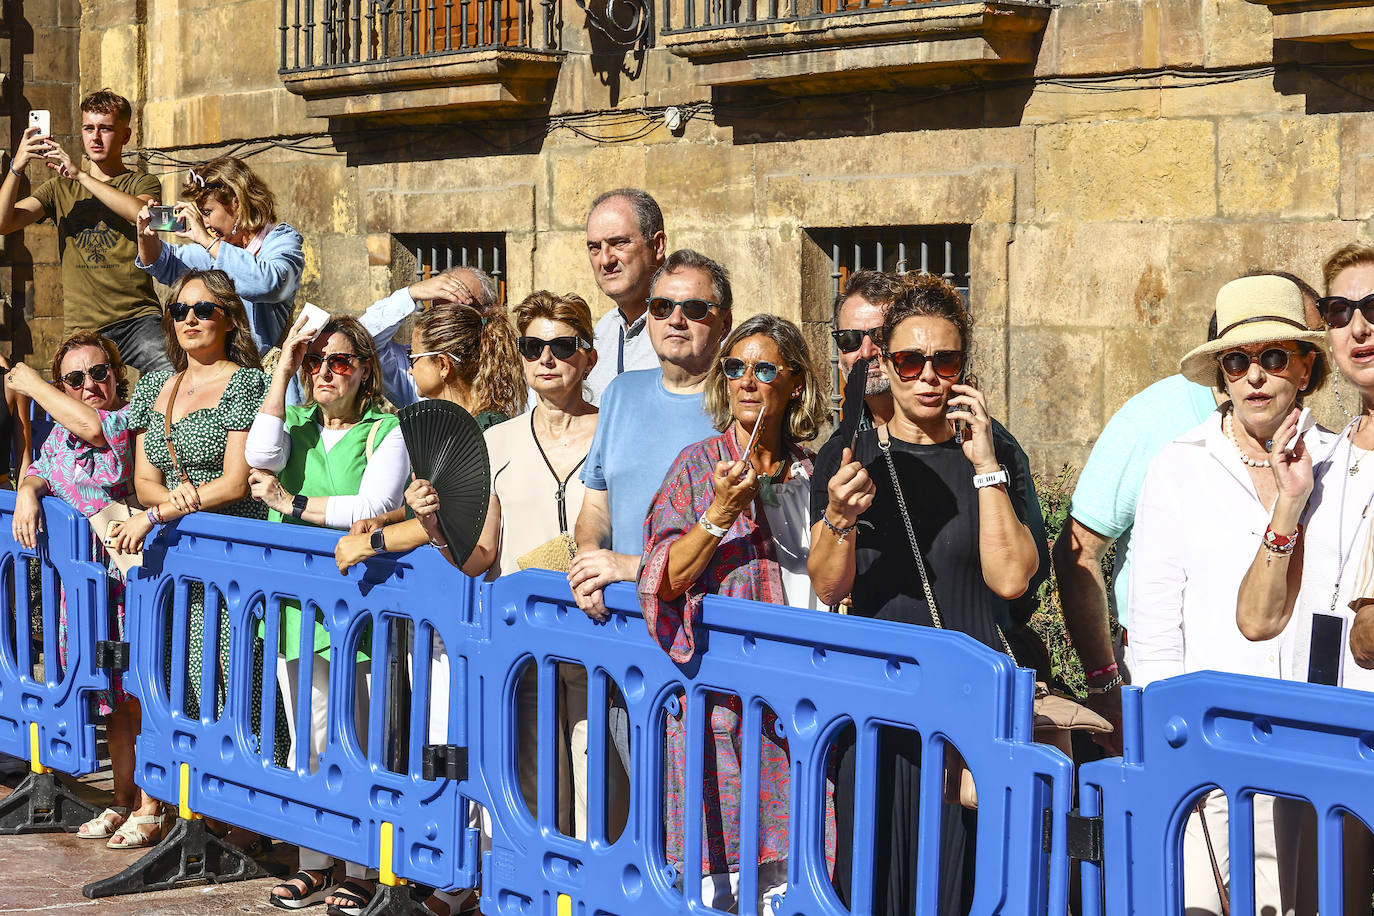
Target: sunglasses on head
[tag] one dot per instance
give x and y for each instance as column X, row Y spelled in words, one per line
column 204, row 310
column 98, row 373
column 695, row 309
column 1235, row 363
column 851, row 339
column 1338, row 311
column 911, row 363
column 764, row 371
column 562, row 347
column 339, row 363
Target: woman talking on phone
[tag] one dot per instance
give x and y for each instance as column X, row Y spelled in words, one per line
column 228, row 216
column 912, row 494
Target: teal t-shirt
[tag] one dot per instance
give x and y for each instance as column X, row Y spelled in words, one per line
column 1109, row 486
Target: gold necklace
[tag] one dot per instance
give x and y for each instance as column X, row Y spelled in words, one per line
column 194, row 388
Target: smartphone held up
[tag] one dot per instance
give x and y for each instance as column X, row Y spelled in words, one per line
column 164, row 219
column 41, row 118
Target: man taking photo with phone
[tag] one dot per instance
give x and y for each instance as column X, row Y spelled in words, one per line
column 94, row 211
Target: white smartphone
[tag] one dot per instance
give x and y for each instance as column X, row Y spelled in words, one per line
column 1305, row 422
column 42, row 119
column 314, row 317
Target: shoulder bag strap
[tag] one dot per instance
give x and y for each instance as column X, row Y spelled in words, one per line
column 167, row 428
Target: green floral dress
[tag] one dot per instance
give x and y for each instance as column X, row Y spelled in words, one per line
column 200, row 438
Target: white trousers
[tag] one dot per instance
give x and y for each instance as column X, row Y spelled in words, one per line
column 288, row 681
column 1276, row 840
column 721, row 891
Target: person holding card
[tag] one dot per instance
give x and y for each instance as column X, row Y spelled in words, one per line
column 731, row 518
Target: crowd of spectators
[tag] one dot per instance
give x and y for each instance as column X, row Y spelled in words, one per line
column 671, row 446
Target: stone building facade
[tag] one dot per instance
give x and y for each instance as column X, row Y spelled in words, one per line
column 1105, row 164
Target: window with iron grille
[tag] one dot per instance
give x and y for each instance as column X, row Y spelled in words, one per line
column 939, row 250
column 436, row 252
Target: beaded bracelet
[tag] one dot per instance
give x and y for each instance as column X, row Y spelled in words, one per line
column 840, row 533
column 1109, row 686
column 1280, row 544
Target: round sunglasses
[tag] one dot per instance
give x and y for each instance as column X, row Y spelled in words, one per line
column 911, row 363
column 764, row 371
column 851, row 339
column 1338, row 311
column 204, row 310
column 1236, row 363
column 695, row 309
column 531, row 348
column 98, row 373
column 339, row 363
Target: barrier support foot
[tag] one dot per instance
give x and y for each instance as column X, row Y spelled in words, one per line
column 395, row 900
column 43, row 804
column 189, row 854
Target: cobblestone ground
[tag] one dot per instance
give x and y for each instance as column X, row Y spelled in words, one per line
column 44, row 873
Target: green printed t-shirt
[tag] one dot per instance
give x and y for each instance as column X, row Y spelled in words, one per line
column 100, row 284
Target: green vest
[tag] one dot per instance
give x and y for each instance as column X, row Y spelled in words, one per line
column 311, row 471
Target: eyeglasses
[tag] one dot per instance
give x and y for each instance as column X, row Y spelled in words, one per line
column 562, row 347
column 1338, row 311
column 98, row 373
column 339, row 363
column 204, row 310
column 851, row 339
column 413, row 358
column 695, row 309
column 734, row 368
column 1272, row 360
column 911, row 363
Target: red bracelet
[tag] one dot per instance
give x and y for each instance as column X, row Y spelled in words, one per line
column 1101, row 671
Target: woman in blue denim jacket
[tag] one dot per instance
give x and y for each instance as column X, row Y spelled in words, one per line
column 230, row 224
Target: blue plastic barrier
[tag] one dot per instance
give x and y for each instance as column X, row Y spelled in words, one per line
column 219, row 765
column 817, row 671
column 1243, row 735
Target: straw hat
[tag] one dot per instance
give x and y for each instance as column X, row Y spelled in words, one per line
column 1250, row 310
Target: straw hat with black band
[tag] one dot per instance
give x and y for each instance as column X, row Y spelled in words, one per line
column 1251, row 310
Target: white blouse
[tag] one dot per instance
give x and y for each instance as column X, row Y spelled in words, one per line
column 1197, row 527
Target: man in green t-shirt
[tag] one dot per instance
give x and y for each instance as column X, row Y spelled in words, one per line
column 94, row 211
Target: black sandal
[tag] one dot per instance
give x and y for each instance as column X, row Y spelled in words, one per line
column 315, row 891
column 357, row 895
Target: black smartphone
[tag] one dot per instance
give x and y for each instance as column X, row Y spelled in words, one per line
column 960, row 424
column 1328, row 647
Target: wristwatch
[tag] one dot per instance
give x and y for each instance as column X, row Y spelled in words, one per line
column 298, row 504
column 378, row 541
column 992, row 479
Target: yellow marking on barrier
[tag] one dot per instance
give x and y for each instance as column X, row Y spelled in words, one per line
column 184, row 809
column 34, row 764
column 564, row 905
column 385, row 874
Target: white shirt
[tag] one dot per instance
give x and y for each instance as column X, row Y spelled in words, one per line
column 790, row 523
column 620, row 347
column 1336, row 529
column 384, row 479
column 1197, row 527
column 382, row 320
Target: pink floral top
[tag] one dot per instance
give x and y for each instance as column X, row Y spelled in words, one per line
column 86, row 477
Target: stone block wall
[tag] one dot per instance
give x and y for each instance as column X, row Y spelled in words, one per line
column 1155, row 150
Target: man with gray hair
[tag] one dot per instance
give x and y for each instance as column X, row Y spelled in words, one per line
column 386, row 318
column 626, row 245
column 647, row 417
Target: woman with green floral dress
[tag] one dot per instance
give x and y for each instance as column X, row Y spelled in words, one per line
column 210, row 401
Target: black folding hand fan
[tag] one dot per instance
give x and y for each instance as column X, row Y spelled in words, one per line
column 447, row 449
column 853, row 410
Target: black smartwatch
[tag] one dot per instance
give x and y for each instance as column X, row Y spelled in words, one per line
column 378, row 541
column 298, row 504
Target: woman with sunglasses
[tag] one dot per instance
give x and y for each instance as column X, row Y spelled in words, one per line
column 190, row 427
column 87, row 461
column 921, row 523
column 731, row 519
column 329, row 462
column 1204, row 503
column 229, row 220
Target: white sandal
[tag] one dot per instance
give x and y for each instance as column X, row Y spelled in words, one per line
column 137, row 832
column 104, row 824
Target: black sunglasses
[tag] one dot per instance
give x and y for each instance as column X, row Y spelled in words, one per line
column 734, row 368
column 562, row 347
column 1337, row 311
column 911, row 363
column 1236, row 363
column 204, row 310
column 695, row 309
column 99, row 372
column 339, row 363
column 851, row 339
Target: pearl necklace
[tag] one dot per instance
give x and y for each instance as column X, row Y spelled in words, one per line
column 1231, row 432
